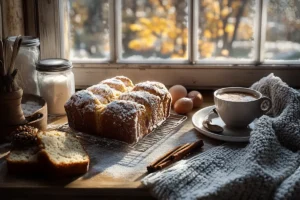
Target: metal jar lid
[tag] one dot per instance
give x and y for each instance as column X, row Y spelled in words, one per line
column 27, row 41
column 53, row 65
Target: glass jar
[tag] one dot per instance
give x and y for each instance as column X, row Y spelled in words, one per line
column 26, row 60
column 56, row 83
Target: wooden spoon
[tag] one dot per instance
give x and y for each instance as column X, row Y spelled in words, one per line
column 16, row 48
column 2, row 68
column 5, row 55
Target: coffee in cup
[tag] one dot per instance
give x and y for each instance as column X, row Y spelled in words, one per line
column 238, row 106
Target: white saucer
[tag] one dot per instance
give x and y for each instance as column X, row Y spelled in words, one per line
column 229, row 134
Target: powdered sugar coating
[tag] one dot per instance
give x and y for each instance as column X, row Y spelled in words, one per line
column 141, row 97
column 119, row 113
column 83, row 100
column 124, row 120
column 149, row 86
column 125, row 80
column 116, row 84
column 158, row 89
column 123, row 110
column 151, row 103
column 103, row 92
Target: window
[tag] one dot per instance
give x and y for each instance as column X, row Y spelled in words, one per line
column 227, row 31
column 89, row 31
column 198, row 43
column 282, row 38
column 153, row 30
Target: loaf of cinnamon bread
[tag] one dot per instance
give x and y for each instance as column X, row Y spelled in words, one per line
column 117, row 109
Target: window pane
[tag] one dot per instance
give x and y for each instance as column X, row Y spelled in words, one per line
column 154, row 29
column 226, row 29
column 283, row 30
column 89, row 29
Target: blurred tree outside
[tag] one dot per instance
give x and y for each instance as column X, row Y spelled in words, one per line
column 155, row 28
column 159, row 29
column 89, row 28
column 221, row 23
column 283, row 30
column 162, row 32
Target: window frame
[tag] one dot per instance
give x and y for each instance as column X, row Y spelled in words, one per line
column 191, row 74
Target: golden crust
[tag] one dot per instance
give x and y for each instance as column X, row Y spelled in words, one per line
column 151, row 103
column 81, row 109
column 115, row 84
column 103, row 93
column 65, row 169
column 153, row 96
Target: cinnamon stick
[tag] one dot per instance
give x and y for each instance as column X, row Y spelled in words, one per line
column 173, row 156
column 180, row 154
column 165, row 157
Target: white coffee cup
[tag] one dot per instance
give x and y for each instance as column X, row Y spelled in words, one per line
column 239, row 106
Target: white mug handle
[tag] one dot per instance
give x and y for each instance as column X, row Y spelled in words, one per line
column 265, row 104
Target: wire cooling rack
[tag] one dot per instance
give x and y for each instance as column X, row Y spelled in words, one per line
column 133, row 154
column 161, row 132
column 157, row 136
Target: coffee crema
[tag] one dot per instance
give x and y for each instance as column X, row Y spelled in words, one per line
column 237, row 96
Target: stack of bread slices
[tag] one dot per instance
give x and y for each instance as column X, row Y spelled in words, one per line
column 53, row 152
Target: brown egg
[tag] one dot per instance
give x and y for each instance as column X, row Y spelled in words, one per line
column 183, row 105
column 196, row 97
column 177, row 92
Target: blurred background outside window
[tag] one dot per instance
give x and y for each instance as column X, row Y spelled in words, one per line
column 159, row 29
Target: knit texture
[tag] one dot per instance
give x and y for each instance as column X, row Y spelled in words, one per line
column 267, row 168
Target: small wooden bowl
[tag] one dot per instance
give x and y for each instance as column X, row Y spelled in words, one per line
column 37, row 119
column 41, row 121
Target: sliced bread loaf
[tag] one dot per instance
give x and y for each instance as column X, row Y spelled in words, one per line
column 23, row 161
column 62, row 153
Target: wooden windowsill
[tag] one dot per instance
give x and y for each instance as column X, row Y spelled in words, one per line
column 100, row 184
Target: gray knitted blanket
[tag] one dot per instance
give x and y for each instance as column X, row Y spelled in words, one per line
column 267, row 168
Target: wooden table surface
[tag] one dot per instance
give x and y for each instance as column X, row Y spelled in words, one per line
column 100, row 185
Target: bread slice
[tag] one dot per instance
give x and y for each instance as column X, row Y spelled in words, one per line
column 23, row 161
column 62, row 153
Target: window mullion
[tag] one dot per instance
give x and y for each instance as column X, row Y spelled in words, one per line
column 49, row 28
column 118, row 30
column 112, row 31
column 194, row 31
column 258, row 34
column 264, row 10
column 190, row 31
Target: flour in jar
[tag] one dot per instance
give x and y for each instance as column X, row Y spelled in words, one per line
column 56, row 89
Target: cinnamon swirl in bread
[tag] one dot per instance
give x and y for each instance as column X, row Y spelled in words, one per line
column 117, row 109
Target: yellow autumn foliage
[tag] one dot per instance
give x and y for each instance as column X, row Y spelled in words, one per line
column 216, row 7
column 145, row 21
column 229, row 28
column 225, row 11
column 167, row 47
column 145, row 33
column 135, row 44
column 136, row 27
column 225, row 52
column 207, row 34
column 160, row 30
column 206, row 49
column 220, row 32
